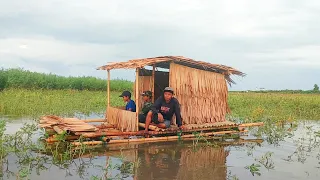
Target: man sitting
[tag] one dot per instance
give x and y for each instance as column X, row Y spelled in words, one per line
column 163, row 110
column 131, row 105
column 147, row 95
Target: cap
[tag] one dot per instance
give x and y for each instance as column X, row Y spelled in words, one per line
column 125, row 93
column 168, row 89
column 147, row 93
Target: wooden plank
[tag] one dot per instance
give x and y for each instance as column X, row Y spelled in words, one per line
column 157, row 139
column 94, row 120
column 58, row 130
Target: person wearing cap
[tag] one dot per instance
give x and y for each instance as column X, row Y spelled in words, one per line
column 163, row 109
column 147, row 95
column 131, row 105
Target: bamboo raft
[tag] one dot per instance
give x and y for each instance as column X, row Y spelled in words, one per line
column 74, row 129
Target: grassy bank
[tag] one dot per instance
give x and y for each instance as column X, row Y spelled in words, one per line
column 34, row 103
column 275, row 105
column 23, row 79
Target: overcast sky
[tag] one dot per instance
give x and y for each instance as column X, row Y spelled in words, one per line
column 276, row 42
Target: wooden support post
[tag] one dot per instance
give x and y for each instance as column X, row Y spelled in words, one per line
column 108, row 94
column 108, row 88
column 153, row 80
column 137, row 96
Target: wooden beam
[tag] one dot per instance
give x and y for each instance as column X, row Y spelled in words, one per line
column 108, row 88
column 58, row 130
column 137, row 96
column 153, row 80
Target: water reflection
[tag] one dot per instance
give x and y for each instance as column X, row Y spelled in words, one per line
column 182, row 163
column 293, row 153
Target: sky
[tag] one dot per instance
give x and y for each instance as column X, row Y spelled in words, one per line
column 276, row 42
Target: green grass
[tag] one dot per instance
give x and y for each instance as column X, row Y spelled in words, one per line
column 34, row 103
column 275, row 106
column 23, row 79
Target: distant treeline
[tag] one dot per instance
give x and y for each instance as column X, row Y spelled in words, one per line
column 24, row 79
column 284, row 91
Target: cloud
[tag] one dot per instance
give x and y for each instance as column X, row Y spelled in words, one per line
column 74, row 37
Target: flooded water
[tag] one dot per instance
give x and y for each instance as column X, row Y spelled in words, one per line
column 294, row 156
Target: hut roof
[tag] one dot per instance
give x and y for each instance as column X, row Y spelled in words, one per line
column 164, row 62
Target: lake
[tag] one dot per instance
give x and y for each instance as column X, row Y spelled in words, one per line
column 291, row 154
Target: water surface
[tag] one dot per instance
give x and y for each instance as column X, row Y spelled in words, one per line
column 295, row 157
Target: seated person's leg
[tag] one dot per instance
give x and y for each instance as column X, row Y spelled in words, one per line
column 164, row 125
column 142, row 118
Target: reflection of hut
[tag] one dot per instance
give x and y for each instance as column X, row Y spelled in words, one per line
column 201, row 88
column 182, row 162
column 205, row 163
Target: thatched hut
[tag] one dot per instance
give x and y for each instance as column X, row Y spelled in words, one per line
column 200, row 87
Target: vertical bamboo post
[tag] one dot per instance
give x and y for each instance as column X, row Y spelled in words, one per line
column 108, row 88
column 153, row 80
column 108, row 94
column 137, row 99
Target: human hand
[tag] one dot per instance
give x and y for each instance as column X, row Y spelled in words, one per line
column 182, row 127
column 160, row 117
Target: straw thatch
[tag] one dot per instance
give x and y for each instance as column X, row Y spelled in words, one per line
column 164, row 62
column 202, row 94
column 205, row 163
column 66, row 124
column 124, row 120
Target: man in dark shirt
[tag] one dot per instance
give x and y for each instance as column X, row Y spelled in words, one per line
column 147, row 95
column 163, row 109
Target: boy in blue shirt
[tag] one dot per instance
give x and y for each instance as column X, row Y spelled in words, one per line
column 131, row 105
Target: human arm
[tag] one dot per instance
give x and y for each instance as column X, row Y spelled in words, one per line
column 178, row 113
column 156, row 105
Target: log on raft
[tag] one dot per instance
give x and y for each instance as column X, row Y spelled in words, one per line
column 166, row 132
column 156, row 139
column 151, row 127
column 93, row 120
column 55, row 139
column 58, row 130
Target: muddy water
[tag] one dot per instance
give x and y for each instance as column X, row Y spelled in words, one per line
column 295, row 157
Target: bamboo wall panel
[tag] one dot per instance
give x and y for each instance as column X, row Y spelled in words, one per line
column 202, row 94
column 124, row 120
column 145, row 84
column 205, row 163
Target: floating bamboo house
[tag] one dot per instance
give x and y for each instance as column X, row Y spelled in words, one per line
column 200, row 87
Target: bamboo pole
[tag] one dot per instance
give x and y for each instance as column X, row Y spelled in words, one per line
column 153, row 80
column 54, row 138
column 167, row 132
column 251, row 124
column 108, row 88
column 94, row 120
column 151, row 127
column 156, row 139
column 137, row 99
column 58, row 130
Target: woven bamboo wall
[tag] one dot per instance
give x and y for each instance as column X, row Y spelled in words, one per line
column 202, row 94
column 125, row 120
column 205, row 163
column 145, row 84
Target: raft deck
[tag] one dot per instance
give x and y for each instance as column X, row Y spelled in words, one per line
column 91, row 134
